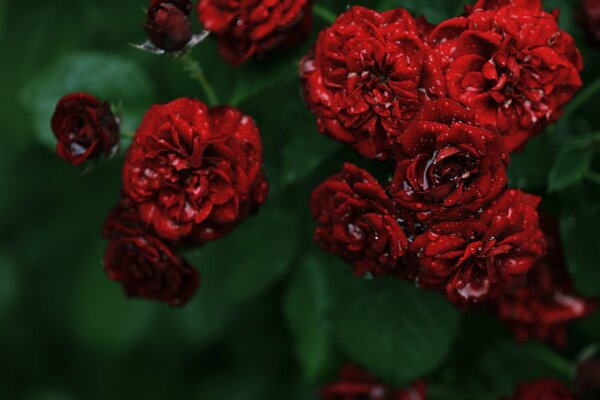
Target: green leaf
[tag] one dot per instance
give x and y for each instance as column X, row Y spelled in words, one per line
column 8, row 285
column 308, row 308
column 580, row 232
column 101, row 315
column 109, row 77
column 569, row 168
column 396, row 331
column 529, row 170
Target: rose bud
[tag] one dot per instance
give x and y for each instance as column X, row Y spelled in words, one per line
column 483, row 255
column 511, row 64
column 247, row 28
column 546, row 303
column 85, row 128
column 144, row 264
column 546, row 389
column 367, row 77
column 588, row 17
column 354, row 383
column 193, row 172
column 448, row 167
column 168, row 26
column 587, row 378
column 357, row 221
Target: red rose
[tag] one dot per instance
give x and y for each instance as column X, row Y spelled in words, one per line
column 542, row 389
column 356, row 384
column 480, row 256
column 513, row 65
column 447, row 166
column 245, row 28
column 194, row 172
column 168, row 26
column 588, row 17
column 145, row 265
column 367, row 77
column 85, row 128
column 543, row 307
column 496, row 4
column 357, row 221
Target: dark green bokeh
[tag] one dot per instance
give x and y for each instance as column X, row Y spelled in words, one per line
column 274, row 316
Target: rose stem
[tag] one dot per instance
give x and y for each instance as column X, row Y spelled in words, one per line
column 583, row 96
column 195, row 71
column 324, row 13
column 553, row 359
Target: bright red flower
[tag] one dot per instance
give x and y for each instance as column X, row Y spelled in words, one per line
column 368, row 76
column 357, row 221
column 168, row 26
column 542, row 389
column 448, row 166
column 497, row 4
column 85, row 128
column 544, row 306
column 355, row 383
column 194, row 172
column 248, row 27
column 512, row 65
column 480, row 256
column 143, row 263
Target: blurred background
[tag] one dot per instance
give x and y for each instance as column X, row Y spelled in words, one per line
column 67, row 332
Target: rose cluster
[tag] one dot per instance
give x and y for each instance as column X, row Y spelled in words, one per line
column 446, row 105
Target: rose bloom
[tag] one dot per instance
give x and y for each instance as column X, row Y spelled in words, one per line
column 544, row 306
column 85, row 128
column 447, row 166
column 357, row 221
column 484, row 254
column 511, row 64
column 542, row 389
column 368, row 75
column 588, row 17
column 144, row 264
column 249, row 27
column 168, row 26
column 193, row 172
column 354, row 383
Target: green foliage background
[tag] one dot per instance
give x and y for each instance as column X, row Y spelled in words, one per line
column 274, row 316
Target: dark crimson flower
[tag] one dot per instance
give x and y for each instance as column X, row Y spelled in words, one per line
column 248, row 27
column 145, row 265
column 543, row 307
column 367, row 76
column 168, row 26
column 588, row 17
column 193, row 172
column 542, row 389
column 480, row 256
column 512, row 65
column 357, row 221
column 355, row 383
column 496, row 4
column 85, row 128
column 587, row 378
column 448, row 166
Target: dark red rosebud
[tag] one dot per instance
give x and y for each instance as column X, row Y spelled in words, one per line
column 85, row 128
column 448, row 166
column 143, row 263
column 246, row 28
column 481, row 256
column 512, row 64
column 587, row 378
column 168, row 26
column 542, row 389
column 546, row 303
column 367, row 77
column 357, row 221
column 194, row 173
column 588, row 17
column 355, row 383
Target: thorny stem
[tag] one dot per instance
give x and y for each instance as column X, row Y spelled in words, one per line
column 583, row 96
column 324, row 13
column 194, row 69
